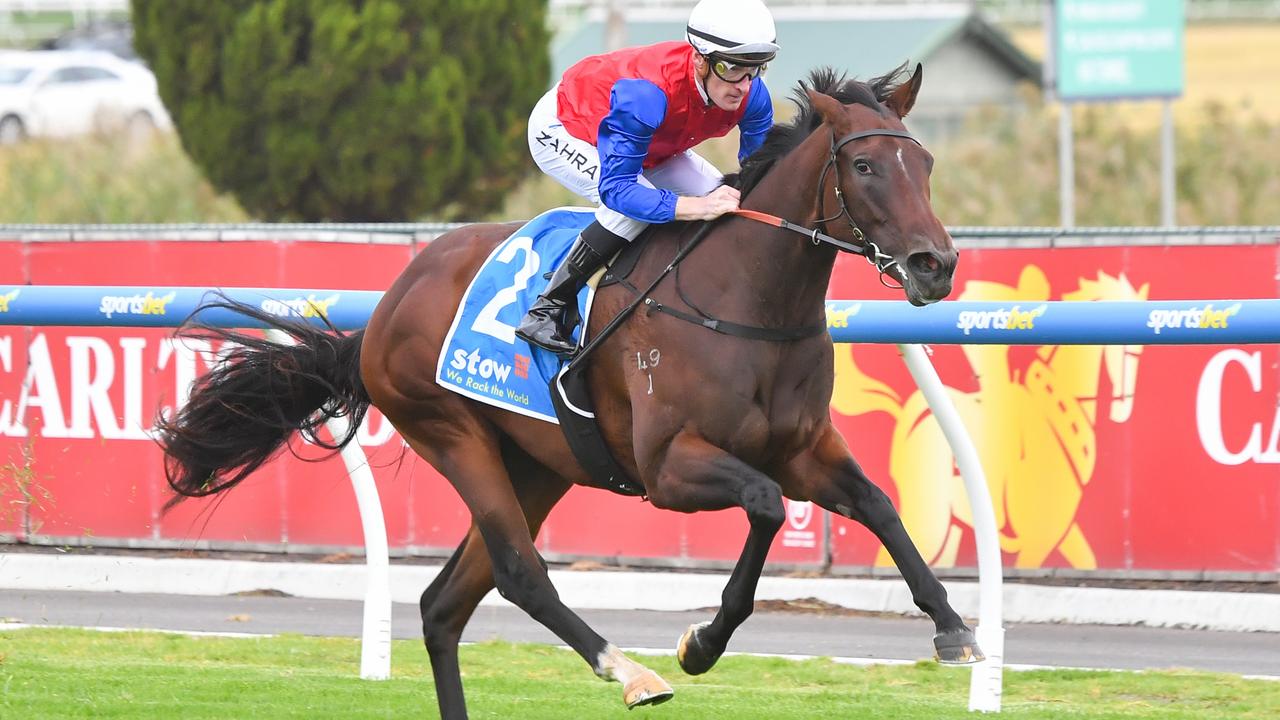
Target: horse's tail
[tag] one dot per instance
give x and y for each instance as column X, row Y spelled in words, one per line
column 857, row 393
column 243, row 412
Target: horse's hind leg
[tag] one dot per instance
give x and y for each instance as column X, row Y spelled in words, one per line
column 830, row 476
column 473, row 465
column 438, row 632
column 451, row 599
column 696, row 475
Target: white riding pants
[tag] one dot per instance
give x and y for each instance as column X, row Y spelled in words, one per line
column 575, row 164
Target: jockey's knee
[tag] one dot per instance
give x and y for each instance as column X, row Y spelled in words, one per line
column 618, row 224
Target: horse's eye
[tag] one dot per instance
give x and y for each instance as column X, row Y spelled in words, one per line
column 862, row 166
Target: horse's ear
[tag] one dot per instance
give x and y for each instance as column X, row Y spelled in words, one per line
column 829, row 108
column 904, row 97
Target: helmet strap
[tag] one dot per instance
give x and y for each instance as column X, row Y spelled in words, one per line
column 702, row 79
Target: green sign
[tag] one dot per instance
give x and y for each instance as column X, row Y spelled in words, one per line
column 1113, row 49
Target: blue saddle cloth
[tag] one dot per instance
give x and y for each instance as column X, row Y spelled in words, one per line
column 482, row 357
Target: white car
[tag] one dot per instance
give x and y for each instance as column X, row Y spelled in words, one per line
column 60, row 93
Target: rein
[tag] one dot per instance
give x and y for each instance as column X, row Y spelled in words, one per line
column 641, row 297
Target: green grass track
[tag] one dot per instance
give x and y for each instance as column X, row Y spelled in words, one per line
column 63, row 673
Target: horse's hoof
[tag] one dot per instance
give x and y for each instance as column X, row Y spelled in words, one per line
column 694, row 656
column 646, row 689
column 957, row 647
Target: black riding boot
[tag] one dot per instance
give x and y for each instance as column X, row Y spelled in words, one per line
column 549, row 324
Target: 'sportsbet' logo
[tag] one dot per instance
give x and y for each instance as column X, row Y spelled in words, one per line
column 839, row 318
column 1194, row 318
column 308, row 307
column 148, row 304
column 7, row 298
column 1014, row 318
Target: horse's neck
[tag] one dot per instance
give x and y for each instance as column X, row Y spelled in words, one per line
column 790, row 189
column 779, row 271
column 1074, row 373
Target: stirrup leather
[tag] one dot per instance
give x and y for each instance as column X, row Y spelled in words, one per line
column 550, row 323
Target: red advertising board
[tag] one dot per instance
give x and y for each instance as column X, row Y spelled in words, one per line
column 1159, row 458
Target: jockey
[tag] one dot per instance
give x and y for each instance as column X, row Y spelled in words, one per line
column 617, row 129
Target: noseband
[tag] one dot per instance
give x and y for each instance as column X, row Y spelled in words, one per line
column 861, row 245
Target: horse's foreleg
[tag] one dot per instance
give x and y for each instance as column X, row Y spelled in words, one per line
column 694, row 476
column 830, row 476
column 475, row 468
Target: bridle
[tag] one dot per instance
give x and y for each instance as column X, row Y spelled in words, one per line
column 861, row 245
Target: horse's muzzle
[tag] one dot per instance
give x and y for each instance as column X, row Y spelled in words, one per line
column 930, row 274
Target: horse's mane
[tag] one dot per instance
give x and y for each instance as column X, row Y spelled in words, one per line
column 782, row 139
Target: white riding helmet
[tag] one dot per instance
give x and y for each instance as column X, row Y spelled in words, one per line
column 740, row 31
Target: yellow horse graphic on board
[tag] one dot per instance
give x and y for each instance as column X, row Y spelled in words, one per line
column 1034, row 433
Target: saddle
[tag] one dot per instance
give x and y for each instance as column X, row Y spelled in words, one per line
column 483, row 359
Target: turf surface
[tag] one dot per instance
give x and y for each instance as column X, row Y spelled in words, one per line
column 61, row 673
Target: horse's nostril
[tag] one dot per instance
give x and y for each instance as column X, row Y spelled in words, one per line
column 925, row 263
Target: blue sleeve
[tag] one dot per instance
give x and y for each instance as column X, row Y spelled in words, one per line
column 755, row 124
column 636, row 109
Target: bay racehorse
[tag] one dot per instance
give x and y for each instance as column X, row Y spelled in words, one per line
column 725, row 421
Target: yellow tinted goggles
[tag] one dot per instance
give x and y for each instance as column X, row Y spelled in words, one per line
column 731, row 73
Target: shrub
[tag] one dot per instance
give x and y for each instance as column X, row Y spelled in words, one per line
column 348, row 110
column 98, row 179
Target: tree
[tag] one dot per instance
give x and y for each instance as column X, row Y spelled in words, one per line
column 351, row 110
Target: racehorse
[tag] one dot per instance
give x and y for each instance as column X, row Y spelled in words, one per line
column 1036, row 439
column 725, row 421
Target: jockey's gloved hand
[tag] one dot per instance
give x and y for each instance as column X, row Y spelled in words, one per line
column 723, row 199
